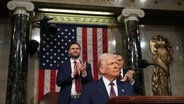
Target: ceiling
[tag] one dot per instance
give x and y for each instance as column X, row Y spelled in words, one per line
column 152, row 16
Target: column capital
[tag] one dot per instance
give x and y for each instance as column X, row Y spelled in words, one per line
column 21, row 7
column 131, row 14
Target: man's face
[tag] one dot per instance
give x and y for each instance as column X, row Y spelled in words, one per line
column 74, row 51
column 111, row 68
column 120, row 61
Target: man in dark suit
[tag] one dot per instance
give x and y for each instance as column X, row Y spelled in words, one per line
column 72, row 76
column 108, row 86
column 127, row 75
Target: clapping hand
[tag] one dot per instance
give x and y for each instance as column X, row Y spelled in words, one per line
column 82, row 68
column 128, row 76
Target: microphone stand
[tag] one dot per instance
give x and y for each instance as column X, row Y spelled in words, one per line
column 144, row 64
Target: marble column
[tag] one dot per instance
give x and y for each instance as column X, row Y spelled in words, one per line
column 18, row 60
column 131, row 39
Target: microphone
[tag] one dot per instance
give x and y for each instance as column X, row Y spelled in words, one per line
column 32, row 47
column 144, row 63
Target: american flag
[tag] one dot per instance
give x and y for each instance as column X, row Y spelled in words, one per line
column 53, row 51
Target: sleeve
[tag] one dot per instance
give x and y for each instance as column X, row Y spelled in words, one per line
column 63, row 76
column 89, row 76
column 85, row 95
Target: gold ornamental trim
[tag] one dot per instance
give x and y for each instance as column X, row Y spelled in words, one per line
column 77, row 19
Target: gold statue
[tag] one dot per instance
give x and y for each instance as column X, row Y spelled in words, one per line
column 161, row 49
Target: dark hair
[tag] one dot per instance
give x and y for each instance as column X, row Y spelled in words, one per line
column 72, row 44
column 117, row 53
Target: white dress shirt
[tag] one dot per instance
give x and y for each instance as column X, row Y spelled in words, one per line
column 73, row 92
column 108, row 87
column 121, row 72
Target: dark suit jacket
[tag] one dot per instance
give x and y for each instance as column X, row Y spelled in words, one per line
column 136, row 84
column 96, row 93
column 64, row 80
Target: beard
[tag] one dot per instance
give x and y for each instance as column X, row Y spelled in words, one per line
column 72, row 56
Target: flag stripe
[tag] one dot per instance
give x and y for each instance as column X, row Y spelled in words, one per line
column 90, row 46
column 47, row 81
column 41, row 83
column 79, row 39
column 84, row 44
column 105, row 46
column 95, row 53
column 100, row 49
column 53, row 81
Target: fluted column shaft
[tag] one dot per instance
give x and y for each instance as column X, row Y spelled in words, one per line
column 18, row 60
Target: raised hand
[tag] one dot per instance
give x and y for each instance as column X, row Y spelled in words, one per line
column 130, row 75
column 82, row 67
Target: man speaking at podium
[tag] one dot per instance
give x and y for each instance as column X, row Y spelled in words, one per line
column 108, row 86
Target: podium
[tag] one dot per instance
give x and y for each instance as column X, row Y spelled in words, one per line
column 147, row 100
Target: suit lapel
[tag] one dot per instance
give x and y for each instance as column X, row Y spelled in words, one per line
column 68, row 66
column 101, row 89
column 121, row 90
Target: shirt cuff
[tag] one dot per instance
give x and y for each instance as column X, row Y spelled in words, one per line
column 132, row 82
column 84, row 75
column 72, row 75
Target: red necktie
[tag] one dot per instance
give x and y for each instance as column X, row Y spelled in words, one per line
column 120, row 76
column 78, row 86
column 112, row 92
